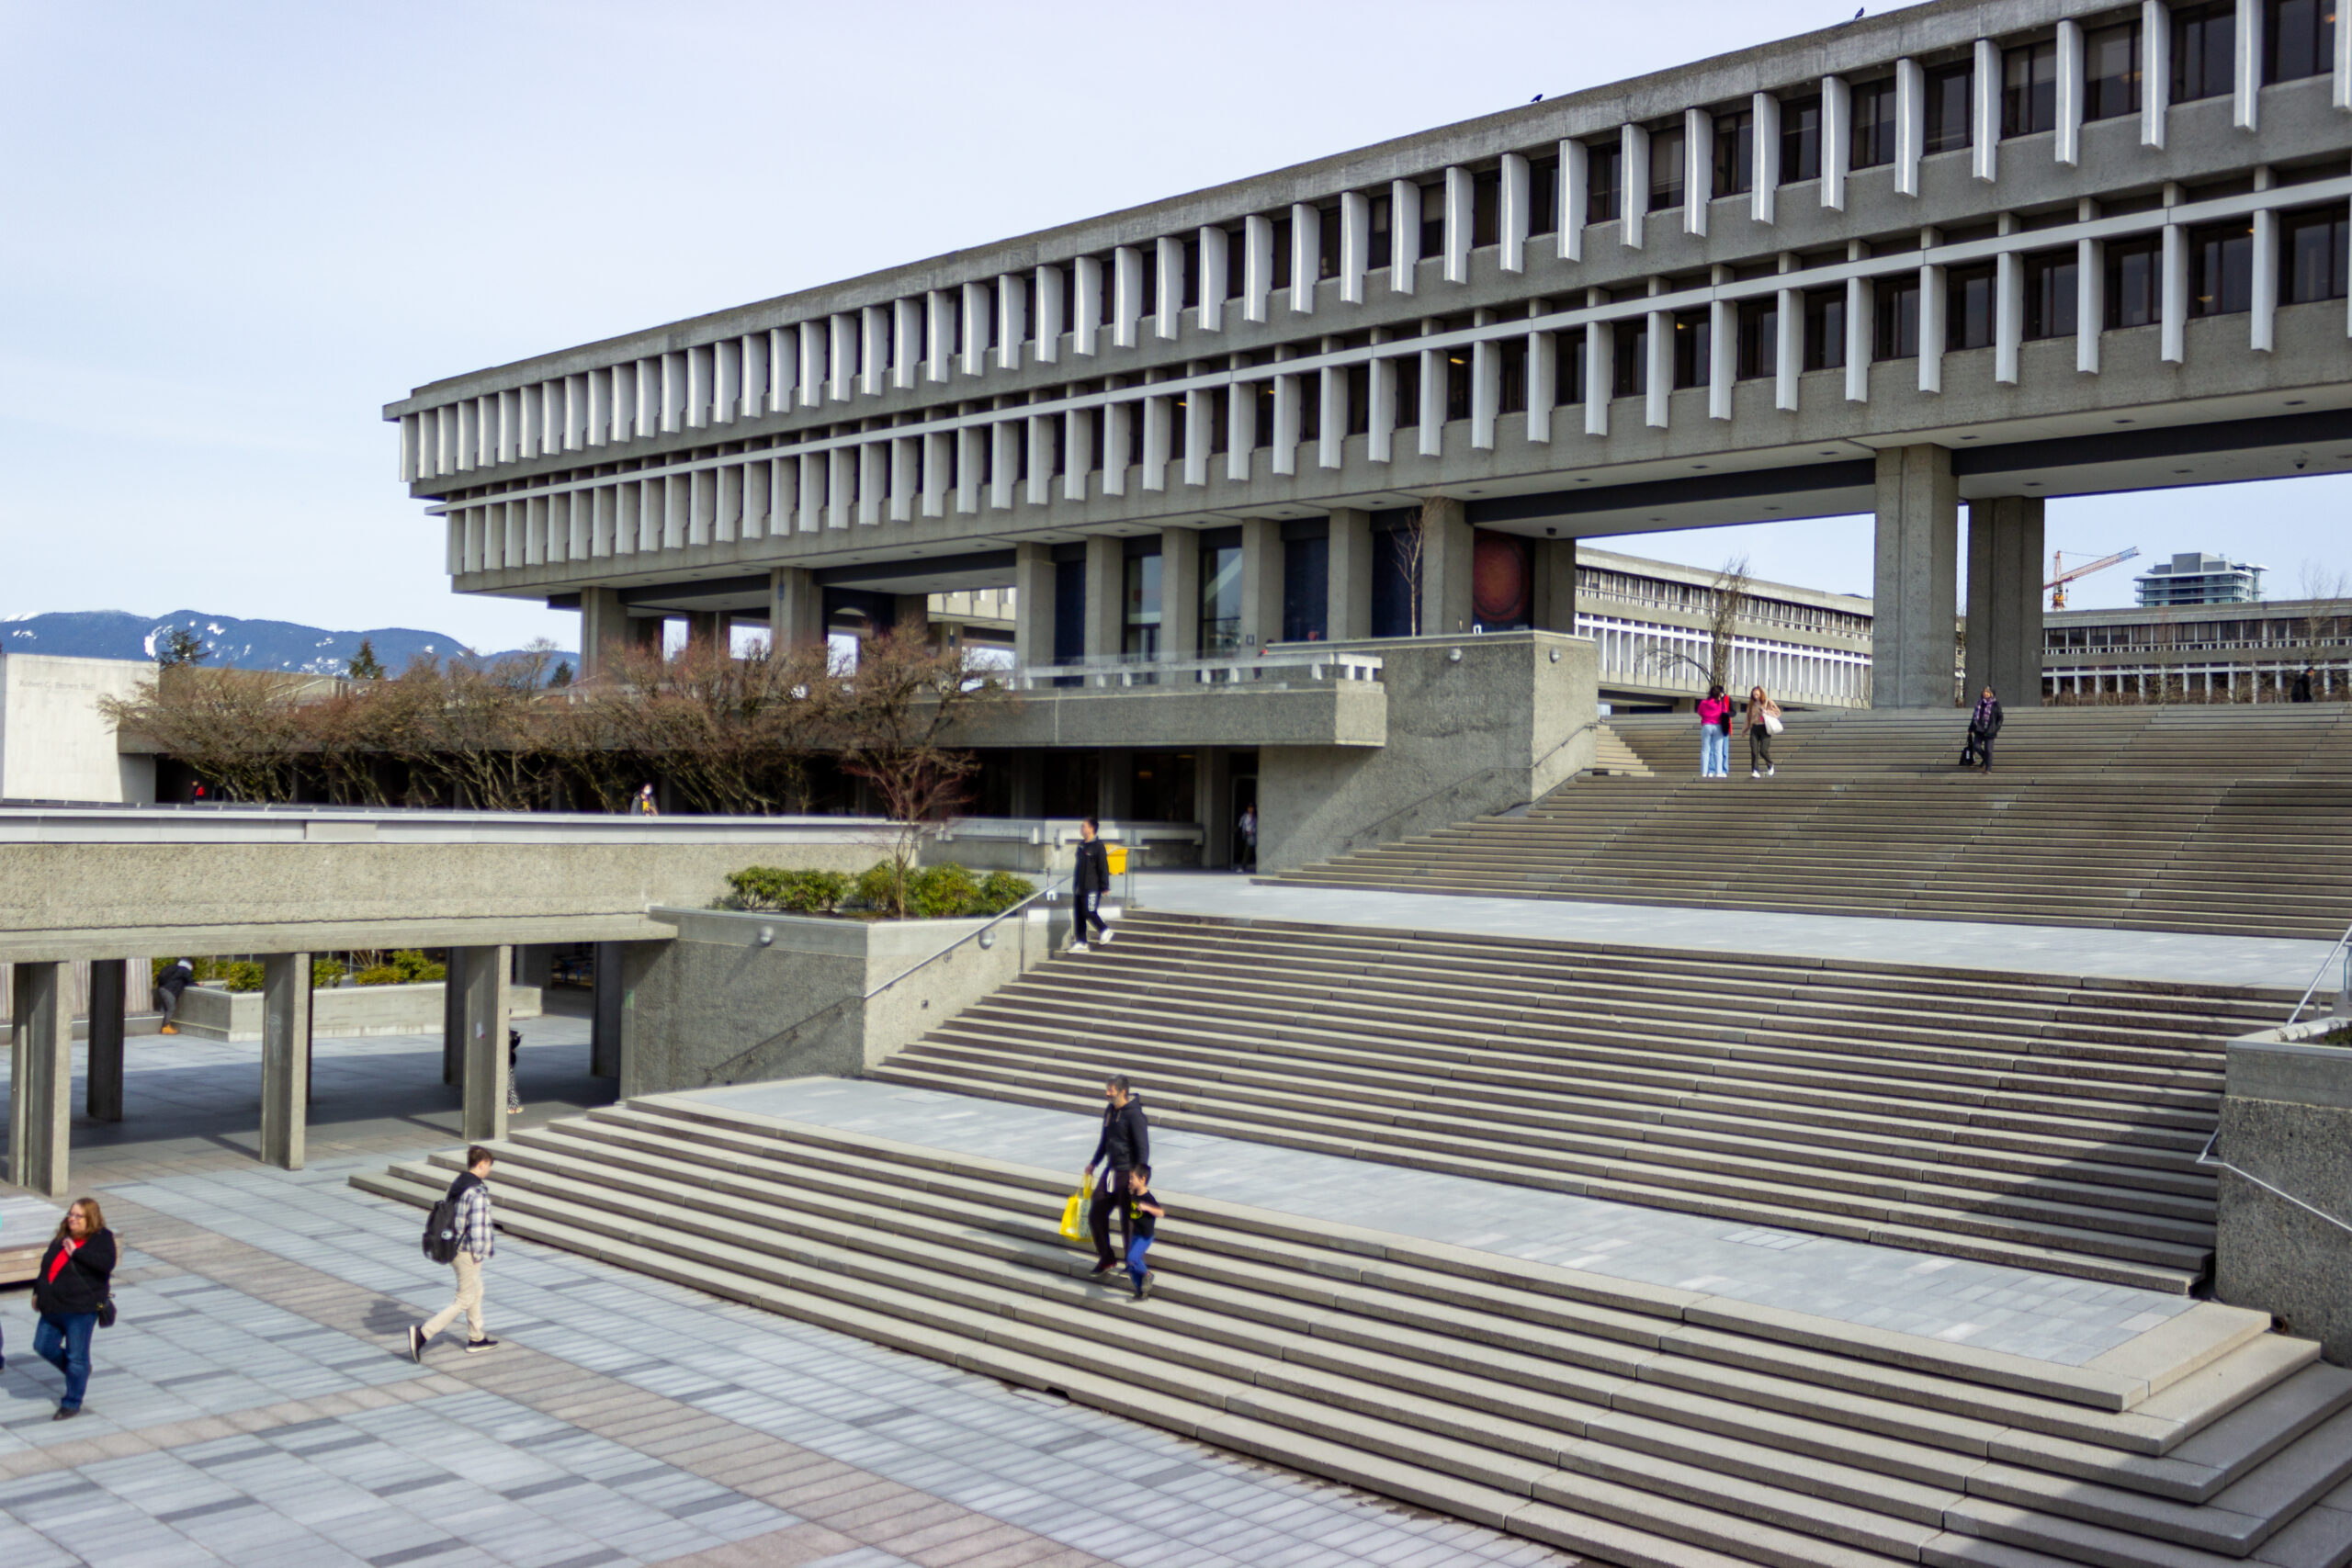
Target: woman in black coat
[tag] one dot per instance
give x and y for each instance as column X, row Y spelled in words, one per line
column 1983, row 723
column 76, row 1280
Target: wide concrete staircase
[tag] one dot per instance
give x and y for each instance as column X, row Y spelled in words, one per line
column 1641, row 1426
column 2167, row 819
column 2034, row 1120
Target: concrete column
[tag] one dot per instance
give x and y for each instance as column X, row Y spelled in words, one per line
column 604, row 1012
column 102, row 1083
column 285, row 1057
column 483, row 1001
column 796, row 608
column 1917, row 550
column 2005, row 599
column 709, row 628
column 604, row 629
column 1180, row 594
column 1347, row 616
column 1028, row 785
column 911, row 615
column 1033, row 605
column 1446, row 556
column 1116, row 798
column 1262, row 583
column 40, row 1063
column 1214, row 781
column 1553, row 606
column 453, row 1017
column 1106, row 595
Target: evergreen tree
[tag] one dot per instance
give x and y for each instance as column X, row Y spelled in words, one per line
column 181, row 646
column 562, row 676
column 363, row 666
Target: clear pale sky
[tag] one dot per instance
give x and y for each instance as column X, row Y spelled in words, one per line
column 236, row 231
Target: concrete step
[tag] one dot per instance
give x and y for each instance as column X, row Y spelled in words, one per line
column 1458, row 1381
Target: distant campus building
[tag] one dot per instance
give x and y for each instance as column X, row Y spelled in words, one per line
column 2196, row 578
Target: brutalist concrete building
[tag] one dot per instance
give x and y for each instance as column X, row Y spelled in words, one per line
column 1973, row 254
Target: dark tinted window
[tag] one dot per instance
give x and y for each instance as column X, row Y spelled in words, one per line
column 2299, row 38
column 1543, row 195
column 2052, row 291
column 2313, row 250
column 1326, row 261
column 1486, row 208
column 1383, row 233
column 1512, row 371
column 1568, row 367
column 1604, row 186
column 2204, row 51
column 1692, row 348
column 1760, row 339
column 1799, row 140
column 2029, row 89
column 1874, row 137
column 1734, row 153
column 1665, row 170
column 2220, row 268
column 1632, row 369
column 2111, row 71
column 1896, row 330
column 1968, row 307
column 1282, row 254
column 2132, row 282
column 1948, row 108
column 1825, row 329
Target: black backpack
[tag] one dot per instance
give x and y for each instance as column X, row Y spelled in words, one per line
column 442, row 1241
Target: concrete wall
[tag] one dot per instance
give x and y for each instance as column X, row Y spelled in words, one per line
column 1510, row 720
column 717, row 1005
column 54, row 744
column 2286, row 1118
column 209, row 1013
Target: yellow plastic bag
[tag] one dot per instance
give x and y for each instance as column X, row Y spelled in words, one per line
column 1074, row 1217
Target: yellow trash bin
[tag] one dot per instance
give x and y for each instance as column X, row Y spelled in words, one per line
column 1118, row 858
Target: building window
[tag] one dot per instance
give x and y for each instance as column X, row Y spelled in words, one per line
column 1307, row 589
column 1632, row 369
column 1734, row 153
column 1179, row 422
column 1692, row 349
column 2111, row 71
column 1141, row 637
column 1383, row 235
column 1825, row 329
column 1896, row 329
column 1408, row 392
column 1568, row 367
column 1799, row 140
column 1543, row 195
column 1457, row 383
column 1874, row 137
column 1968, row 307
column 2051, row 292
column 2133, row 281
column 1310, row 407
column 1948, row 117
column 2204, row 51
column 1326, row 248
column 1665, row 170
column 2029, row 89
column 1512, row 353
column 2299, row 38
column 2220, row 268
column 2313, row 250
column 1281, row 257
column 1358, row 399
column 1220, row 600
column 1760, row 339
column 1433, row 220
column 1485, row 208
column 1604, row 186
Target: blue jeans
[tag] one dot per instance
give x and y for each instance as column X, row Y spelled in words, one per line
column 64, row 1341
column 1714, row 752
column 1136, row 1267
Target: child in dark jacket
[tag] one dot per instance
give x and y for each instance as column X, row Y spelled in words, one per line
column 1144, row 1215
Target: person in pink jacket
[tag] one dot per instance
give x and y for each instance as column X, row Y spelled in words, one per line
column 1715, row 735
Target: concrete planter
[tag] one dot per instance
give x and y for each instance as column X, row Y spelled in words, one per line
column 210, row 1013
column 2287, row 1121
column 747, row 998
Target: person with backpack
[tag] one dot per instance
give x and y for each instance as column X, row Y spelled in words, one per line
column 459, row 1233
column 1090, row 879
column 74, row 1292
column 1983, row 723
column 1715, row 735
column 1124, row 1146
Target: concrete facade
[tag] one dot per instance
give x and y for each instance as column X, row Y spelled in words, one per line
column 55, row 744
column 208, row 1012
column 1573, row 351
column 2287, row 1121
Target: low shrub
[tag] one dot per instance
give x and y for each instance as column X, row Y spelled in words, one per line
column 1001, row 890
column 245, row 974
column 946, row 892
column 874, row 885
column 377, row 974
column 768, row 888
column 414, row 969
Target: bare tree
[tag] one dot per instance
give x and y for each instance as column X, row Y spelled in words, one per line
column 1412, row 546
column 2321, row 628
column 240, row 730
column 1727, row 596
column 733, row 734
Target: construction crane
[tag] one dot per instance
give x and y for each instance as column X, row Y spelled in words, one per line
column 2057, row 584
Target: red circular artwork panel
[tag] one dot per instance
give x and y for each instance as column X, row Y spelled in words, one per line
column 1499, row 581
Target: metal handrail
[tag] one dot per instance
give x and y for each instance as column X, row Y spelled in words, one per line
column 2309, row 991
column 2209, row 1157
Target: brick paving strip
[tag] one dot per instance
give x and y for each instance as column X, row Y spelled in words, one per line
column 842, row 1507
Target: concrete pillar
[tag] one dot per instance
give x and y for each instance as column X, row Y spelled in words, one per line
column 1028, row 786
column 1348, row 615
column 709, row 628
column 453, row 1017
column 483, row 1001
column 911, row 615
column 534, row 965
column 285, row 1057
column 1447, row 553
column 604, row 629
column 1213, row 780
column 1033, row 605
column 1106, row 595
column 41, row 1064
column 2005, row 599
column 1116, row 800
column 1180, row 593
column 795, row 609
column 1917, row 566
column 646, row 632
column 604, row 1013
column 1553, row 606
column 102, row 1083
column 1262, row 583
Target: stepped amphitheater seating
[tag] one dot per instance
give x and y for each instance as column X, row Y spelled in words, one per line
column 1640, row 1426
column 2032, row 1120
column 2217, row 819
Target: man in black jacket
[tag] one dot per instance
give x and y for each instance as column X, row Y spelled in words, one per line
column 1090, row 879
column 1124, row 1145
column 168, row 986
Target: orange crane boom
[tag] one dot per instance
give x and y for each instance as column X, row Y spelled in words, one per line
column 2057, row 584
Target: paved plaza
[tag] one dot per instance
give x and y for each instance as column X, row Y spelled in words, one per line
column 254, row 1406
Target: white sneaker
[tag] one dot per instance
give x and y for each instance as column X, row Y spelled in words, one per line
column 1754, row 774
column 1104, row 935
column 1077, row 947
column 1769, row 771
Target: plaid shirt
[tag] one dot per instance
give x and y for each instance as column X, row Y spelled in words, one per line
column 473, row 1222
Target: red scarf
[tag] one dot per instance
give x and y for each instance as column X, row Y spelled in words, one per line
column 65, row 1249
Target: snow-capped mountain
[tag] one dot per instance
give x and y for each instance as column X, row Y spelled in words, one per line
column 234, row 643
